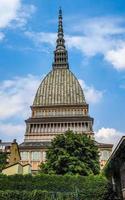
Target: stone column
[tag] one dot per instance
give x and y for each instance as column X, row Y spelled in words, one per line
column 46, row 128
column 33, row 128
column 39, row 128
column 51, row 128
column 43, row 128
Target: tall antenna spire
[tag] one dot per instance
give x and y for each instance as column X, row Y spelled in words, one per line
column 60, row 40
column 60, row 54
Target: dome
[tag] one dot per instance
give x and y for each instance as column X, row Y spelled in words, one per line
column 59, row 87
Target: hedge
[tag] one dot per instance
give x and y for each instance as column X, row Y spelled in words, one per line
column 44, row 195
column 52, row 187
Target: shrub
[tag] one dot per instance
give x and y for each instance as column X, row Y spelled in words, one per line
column 44, row 195
column 52, row 187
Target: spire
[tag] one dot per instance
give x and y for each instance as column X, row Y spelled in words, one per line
column 60, row 39
column 60, row 54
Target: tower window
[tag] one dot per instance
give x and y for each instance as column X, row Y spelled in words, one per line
column 24, row 155
column 35, row 156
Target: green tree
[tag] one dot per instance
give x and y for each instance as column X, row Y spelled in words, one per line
column 3, row 160
column 72, row 153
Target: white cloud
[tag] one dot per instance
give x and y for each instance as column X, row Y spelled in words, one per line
column 16, row 96
column 14, row 14
column 92, row 95
column 24, row 13
column 1, row 36
column 117, row 58
column 88, row 45
column 9, row 131
column 105, row 36
column 108, row 135
column 100, row 26
column 42, row 37
column 99, row 32
column 8, row 11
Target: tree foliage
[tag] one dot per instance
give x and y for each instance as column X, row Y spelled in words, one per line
column 71, row 153
column 3, row 160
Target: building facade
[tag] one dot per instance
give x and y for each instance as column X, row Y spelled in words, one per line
column 115, row 169
column 59, row 105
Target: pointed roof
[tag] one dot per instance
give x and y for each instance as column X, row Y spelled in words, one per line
column 60, row 40
column 60, row 54
column 60, row 86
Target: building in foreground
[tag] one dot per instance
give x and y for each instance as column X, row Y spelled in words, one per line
column 59, row 105
column 115, row 168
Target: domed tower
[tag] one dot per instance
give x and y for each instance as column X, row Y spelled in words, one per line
column 59, row 104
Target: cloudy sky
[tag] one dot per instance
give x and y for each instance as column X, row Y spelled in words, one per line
column 95, row 39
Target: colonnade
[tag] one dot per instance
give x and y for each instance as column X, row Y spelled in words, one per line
column 59, row 127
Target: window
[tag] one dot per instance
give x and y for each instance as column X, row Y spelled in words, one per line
column 36, row 156
column 2, row 147
column 105, row 155
column 24, row 155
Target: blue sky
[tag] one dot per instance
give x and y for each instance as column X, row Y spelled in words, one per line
column 95, row 39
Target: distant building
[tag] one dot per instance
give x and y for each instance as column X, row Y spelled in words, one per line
column 34, row 153
column 59, row 105
column 13, row 165
column 12, row 150
column 105, row 151
column 17, row 168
